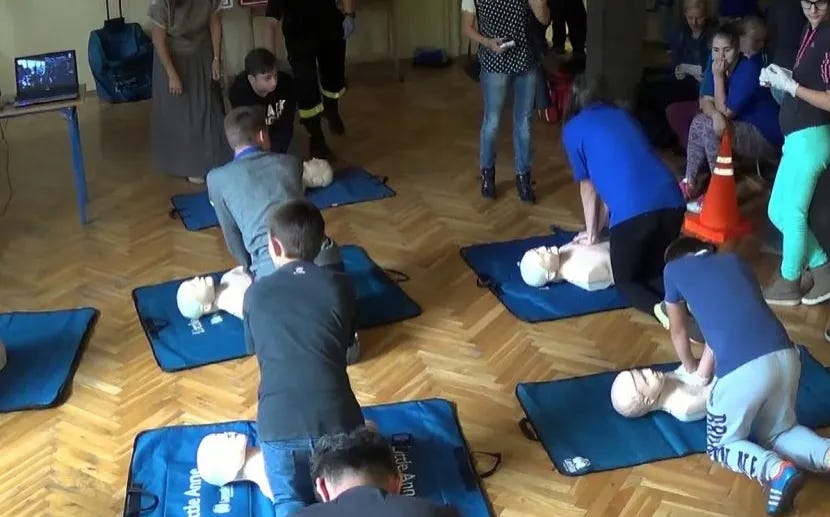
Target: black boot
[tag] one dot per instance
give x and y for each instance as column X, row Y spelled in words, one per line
column 525, row 187
column 317, row 142
column 488, row 183
column 332, row 114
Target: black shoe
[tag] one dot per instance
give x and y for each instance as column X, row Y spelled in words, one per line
column 525, row 187
column 488, row 183
column 332, row 114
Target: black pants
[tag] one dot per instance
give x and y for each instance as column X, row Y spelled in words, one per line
column 819, row 216
column 658, row 89
column 638, row 246
column 572, row 13
column 323, row 49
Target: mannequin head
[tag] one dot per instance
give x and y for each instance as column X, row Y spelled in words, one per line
column 636, row 392
column 317, row 173
column 540, row 266
column 195, row 297
column 362, row 457
column 2, row 355
column 221, row 457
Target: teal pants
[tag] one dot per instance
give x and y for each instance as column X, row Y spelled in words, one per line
column 806, row 155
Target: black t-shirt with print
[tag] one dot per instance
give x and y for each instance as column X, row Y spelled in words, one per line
column 280, row 106
column 812, row 70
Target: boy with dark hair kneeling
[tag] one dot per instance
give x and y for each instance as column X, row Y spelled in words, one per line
column 300, row 322
column 756, row 366
column 264, row 84
column 356, row 475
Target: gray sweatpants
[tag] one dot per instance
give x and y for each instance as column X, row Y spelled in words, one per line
column 758, row 399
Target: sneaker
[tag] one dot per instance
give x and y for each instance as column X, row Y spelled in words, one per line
column 827, row 334
column 783, row 292
column 196, row 180
column 820, row 291
column 783, row 487
column 695, row 334
column 353, row 352
column 695, row 206
column 661, row 314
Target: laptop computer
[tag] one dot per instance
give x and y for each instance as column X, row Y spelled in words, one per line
column 49, row 77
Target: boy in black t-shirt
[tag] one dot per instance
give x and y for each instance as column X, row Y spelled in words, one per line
column 263, row 84
column 300, row 322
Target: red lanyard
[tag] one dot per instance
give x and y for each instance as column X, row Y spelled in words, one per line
column 805, row 42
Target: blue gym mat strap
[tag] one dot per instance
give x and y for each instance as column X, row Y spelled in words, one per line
column 351, row 185
column 430, row 450
column 43, row 350
column 497, row 267
column 180, row 344
column 582, row 433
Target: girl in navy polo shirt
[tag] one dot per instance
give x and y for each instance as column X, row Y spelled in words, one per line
column 805, row 122
column 623, row 181
column 730, row 95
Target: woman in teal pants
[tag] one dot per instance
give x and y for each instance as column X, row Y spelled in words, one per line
column 805, row 122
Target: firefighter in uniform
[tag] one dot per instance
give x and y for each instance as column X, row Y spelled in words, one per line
column 315, row 33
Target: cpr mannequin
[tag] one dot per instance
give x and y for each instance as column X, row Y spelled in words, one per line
column 317, row 173
column 198, row 296
column 587, row 266
column 224, row 458
column 637, row 392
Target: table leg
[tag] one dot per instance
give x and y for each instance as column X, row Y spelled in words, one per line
column 81, row 196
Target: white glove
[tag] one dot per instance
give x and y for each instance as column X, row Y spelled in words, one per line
column 692, row 379
column 763, row 79
column 781, row 79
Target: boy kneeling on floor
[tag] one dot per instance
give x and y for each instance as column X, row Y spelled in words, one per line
column 757, row 370
column 299, row 322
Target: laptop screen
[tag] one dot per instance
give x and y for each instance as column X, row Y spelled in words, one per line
column 44, row 72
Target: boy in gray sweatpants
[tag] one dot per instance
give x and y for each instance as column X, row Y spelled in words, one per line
column 756, row 367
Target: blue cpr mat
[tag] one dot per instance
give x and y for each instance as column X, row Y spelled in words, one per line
column 430, row 449
column 582, row 433
column 353, row 185
column 42, row 350
column 181, row 344
column 497, row 267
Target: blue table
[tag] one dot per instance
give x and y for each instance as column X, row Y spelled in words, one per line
column 69, row 110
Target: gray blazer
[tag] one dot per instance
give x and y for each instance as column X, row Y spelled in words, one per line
column 243, row 192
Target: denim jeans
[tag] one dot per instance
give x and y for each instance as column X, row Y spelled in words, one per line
column 288, row 469
column 494, row 88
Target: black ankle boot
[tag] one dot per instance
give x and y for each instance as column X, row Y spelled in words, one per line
column 488, row 183
column 525, row 187
column 332, row 114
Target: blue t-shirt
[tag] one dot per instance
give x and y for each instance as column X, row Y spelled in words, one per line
column 751, row 102
column 725, row 298
column 606, row 145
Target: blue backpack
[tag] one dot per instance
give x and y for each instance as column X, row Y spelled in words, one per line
column 121, row 60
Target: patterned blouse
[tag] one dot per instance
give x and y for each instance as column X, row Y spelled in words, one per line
column 503, row 19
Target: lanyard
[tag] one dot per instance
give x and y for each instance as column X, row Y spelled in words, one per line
column 808, row 38
column 246, row 151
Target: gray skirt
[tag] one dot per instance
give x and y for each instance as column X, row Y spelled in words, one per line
column 187, row 135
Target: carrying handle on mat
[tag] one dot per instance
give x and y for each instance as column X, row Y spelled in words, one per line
column 175, row 213
column 495, row 456
column 382, row 179
column 527, row 429
column 133, row 507
column 152, row 327
column 485, row 282
column 396, row 276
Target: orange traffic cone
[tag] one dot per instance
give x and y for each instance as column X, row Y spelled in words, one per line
column 719, row 220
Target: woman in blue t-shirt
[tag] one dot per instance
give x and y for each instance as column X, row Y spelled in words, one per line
column 623, row 182
column 730, row 96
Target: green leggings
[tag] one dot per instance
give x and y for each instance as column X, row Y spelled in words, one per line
column 806, row 156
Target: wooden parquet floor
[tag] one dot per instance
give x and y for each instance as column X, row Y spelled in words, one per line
column 73, row 460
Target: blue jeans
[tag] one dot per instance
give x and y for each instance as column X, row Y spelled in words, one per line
column 494, row 88
column 288, row 469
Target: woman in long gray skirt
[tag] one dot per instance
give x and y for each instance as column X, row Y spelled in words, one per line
column 187, row 137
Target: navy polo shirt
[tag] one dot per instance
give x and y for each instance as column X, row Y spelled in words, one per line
column 751, row 102
column 725, row 296
column 606, row 145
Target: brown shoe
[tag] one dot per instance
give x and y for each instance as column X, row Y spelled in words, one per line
column 820, row 292
column 783, row 292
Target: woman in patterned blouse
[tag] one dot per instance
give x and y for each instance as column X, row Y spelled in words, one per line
column 506, row 57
